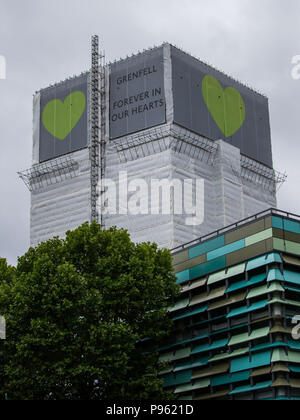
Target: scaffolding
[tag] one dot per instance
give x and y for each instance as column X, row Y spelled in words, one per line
column 98, row 129
column 49, row 173
column 256, row 172
column 95, row 111
column 140, row 145
column 103, row 134
column 193, row 145
column 159, row 139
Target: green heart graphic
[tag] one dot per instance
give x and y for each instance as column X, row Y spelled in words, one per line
column 59, row 118
column 226, row 106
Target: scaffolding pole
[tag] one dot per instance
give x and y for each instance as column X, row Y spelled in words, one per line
column 103, row 135
column 94, row 146
column 98, row 130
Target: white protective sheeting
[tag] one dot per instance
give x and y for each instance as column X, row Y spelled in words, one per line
column 227, row 195
column 62, row 206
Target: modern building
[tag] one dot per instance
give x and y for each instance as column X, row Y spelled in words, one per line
column 237, row 324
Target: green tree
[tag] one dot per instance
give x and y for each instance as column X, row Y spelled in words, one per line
column 77, row 311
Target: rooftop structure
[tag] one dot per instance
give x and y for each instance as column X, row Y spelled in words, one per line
column 236, row 333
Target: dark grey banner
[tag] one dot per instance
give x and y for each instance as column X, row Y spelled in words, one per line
column 137, row 96
column 213, row 105
column 63, row 118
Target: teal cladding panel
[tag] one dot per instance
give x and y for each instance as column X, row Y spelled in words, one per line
column 263, row 260
column 191, row 313
column 249, row 388
column 229, row 329
column 267, row 346
column 203, row 361
column 281, row 399
column 294, row 345
column 257, row 360
column 237, row 286
column 208, row 321
column 206, row 268
column 245, row 310
column 291, row 288
column 228, row 249
column 230, row 379
column 277, row 222
column 183, row 276
column 259, row 278
column 292, row 277
column 274, row 275
column 207, row 247
column 288, row 225
column 208, row 347
column 291, row 226
column 174, row 379
column 187, row 341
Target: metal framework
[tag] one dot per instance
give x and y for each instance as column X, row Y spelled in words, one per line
column 95, row 122
column 161, row 138
column 98, row 129
column 261, row 174
column 193, row 145
column 103, row 133
column 49, row 173
column 97, row 150
column 140, row 145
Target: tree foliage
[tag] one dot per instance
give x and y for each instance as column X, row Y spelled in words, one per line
column 77, row 309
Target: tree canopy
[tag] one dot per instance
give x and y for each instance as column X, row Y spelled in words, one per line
column 76, row 310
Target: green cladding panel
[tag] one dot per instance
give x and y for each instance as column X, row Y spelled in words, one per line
column 258, row 237
column 226, row 274
column 249, row 230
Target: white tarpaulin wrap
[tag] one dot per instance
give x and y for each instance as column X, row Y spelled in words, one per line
column 153, row 170
column 62, row 206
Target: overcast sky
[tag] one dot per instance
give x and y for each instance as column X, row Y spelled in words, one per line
column 47, row 41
